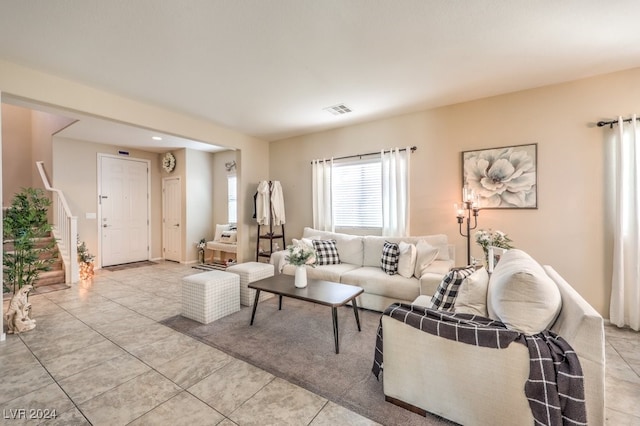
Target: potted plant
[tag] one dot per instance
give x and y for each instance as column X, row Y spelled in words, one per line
column 25, row 229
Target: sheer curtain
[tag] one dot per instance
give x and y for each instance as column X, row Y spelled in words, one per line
column 625, row 286
column 321, row 193
column 395, row 192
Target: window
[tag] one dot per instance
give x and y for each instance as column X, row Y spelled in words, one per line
column 232, row 199
column 357, row 194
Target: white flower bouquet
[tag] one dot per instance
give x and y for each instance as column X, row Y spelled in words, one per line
column 301, row 255
column 489, row 238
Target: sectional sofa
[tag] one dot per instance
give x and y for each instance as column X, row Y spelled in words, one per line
column 359, row 265
column 480, row 385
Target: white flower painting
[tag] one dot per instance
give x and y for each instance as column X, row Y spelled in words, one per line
column 503, row 177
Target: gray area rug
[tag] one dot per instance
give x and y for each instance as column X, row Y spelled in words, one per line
column 296, row 344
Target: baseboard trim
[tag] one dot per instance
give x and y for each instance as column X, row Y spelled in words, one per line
column 406, row 406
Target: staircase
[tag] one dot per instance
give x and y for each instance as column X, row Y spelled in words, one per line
column 56, row 273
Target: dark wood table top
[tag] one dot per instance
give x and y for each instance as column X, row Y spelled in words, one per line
column 317, row 291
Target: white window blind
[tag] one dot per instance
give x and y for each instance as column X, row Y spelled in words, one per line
column 232, row 199
column 357, row 194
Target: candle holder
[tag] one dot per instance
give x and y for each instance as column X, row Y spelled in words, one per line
column 469, row 208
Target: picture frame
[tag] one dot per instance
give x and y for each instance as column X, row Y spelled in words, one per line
column 503, row 177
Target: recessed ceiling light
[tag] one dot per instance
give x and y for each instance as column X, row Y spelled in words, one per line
column 338, row 109
column 156, row 138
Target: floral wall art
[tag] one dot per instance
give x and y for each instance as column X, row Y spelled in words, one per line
column 503, row 178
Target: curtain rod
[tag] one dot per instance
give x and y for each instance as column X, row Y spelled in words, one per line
column 611, row 123
column 413, row 149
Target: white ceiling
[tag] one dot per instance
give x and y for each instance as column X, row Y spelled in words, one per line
column 268, row 68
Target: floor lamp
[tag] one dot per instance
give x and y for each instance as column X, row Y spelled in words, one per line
column 469, row 208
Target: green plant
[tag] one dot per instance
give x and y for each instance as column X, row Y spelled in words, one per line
column 24, row 227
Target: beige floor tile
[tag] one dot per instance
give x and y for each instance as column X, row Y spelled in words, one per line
column 74, row 362
column 132, row 399
column 15, row 354
column 182, row 410
column 231, row 386
column 617, row 367
column 110, row 314
column 194, row 365
column 162, row 351
column 96, row 380
column 34, row 406
column 23, row 380
column 622, row 396
column 132, row 335
column 279, row 403
column 61, row 345
column 334, row 414
column 616, row 418
column 626, row 347
column 71, row 417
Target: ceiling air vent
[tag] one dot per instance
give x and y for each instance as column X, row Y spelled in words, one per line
column 338, row 109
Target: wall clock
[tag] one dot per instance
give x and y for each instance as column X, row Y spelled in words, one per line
column 168, row 162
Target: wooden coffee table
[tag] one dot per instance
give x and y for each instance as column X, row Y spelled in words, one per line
column 317, row 291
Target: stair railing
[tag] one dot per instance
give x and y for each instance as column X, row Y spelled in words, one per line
column 65, row 229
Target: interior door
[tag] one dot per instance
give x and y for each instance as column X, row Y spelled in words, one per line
column 124, row 210
column 171, row 218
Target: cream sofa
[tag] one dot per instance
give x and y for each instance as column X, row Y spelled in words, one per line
column 360, row 266
column 475, row 385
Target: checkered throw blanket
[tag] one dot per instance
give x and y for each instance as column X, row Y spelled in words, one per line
column 555, row 387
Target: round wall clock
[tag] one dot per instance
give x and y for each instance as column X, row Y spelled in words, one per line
column 168, row 162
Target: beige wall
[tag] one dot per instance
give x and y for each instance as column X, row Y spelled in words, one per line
column 569, row 230
column 75, row 168
column 16, row 151
column 220, row 193
column 199, row 200
column 43, row 126
column 26, row 138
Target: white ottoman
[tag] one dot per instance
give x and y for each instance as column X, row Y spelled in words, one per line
column 251, row 272
column 209, row 296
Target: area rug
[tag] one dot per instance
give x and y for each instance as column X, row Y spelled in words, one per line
column 297, row 344
column 210, row 267
column 131, row 265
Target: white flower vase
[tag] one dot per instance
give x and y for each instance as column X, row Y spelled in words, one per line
column 301, row 276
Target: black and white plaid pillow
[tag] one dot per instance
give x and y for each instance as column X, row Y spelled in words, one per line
column 445, row 296
column 390, row 257
column 326, row 252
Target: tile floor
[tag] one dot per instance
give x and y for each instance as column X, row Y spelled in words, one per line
column 98, row 356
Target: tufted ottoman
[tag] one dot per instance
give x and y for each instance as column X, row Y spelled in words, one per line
column 209, row 296
column 251, row 272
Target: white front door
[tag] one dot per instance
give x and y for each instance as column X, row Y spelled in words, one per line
column 171, row 218
column 124, row 209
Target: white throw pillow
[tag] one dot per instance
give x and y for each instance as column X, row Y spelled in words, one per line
column 472, row 294
column 219, row 230
column 522, row 295
column 425, row 255
column 303, row 242
column 407, row 260
column 229, row 237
